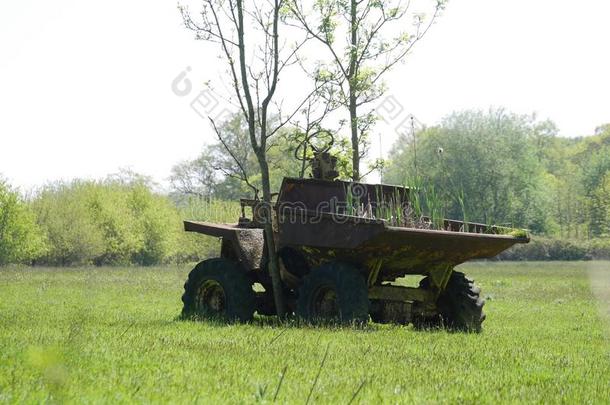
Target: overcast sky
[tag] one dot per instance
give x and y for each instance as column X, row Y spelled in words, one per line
column 86, row 87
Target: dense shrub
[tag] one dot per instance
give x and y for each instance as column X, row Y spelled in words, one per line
column 109, row 222
column 116, row 222
column 20, row 239
column 599, row 248
column 541, row 248
column 158, row 223
column 63, row 213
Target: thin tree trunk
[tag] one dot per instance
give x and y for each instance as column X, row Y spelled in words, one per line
column 353, row 112
column 353, row 116
column 274, row 265
column 260, row 148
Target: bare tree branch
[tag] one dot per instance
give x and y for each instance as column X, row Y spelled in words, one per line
column 243, row 173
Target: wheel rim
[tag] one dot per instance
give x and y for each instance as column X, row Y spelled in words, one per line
column 211, row 297
column 324, row 303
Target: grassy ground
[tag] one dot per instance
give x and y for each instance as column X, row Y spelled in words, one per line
column 111, row 335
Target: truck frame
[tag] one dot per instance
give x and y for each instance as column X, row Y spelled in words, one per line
column 339, row 260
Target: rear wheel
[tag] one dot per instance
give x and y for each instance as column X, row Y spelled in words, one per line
column 334, row 292
column 460, row 305
column 219, row 289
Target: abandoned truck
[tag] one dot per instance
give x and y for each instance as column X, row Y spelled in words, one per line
column 342, row 245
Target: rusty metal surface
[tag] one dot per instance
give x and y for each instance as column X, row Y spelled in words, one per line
column 403, row 250
column 211, row 229
column 249, row 243
column 322, row 195
column 309, row 220
column 326, row 230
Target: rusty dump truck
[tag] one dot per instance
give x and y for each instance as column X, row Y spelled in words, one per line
column 341, row 252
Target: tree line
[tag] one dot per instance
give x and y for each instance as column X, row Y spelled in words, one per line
column 483, row 166
column 489, row 167
column 113, row 221
column 499, row 167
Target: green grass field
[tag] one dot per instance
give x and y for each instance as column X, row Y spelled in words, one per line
column 112, row 335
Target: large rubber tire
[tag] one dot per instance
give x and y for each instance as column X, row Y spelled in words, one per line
column 219, row 289
column 460, row 305
column 334, row 293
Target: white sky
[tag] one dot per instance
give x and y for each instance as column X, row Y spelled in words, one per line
column 85, row 87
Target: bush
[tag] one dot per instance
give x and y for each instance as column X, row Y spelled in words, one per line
column 108, row 222
column 63, row 213
column 110, row 209
column 541, row 248
column 599, row 249
column 20, row 238
column 158, row 221
column 118, row 222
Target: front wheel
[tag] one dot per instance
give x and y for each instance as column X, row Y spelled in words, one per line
column 219, row 289
column 334, row 292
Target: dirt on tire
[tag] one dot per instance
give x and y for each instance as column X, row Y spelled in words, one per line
column 460, row 306
column 350, row 294
column 239, row 299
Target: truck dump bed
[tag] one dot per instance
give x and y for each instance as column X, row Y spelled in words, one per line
column 309, row 220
